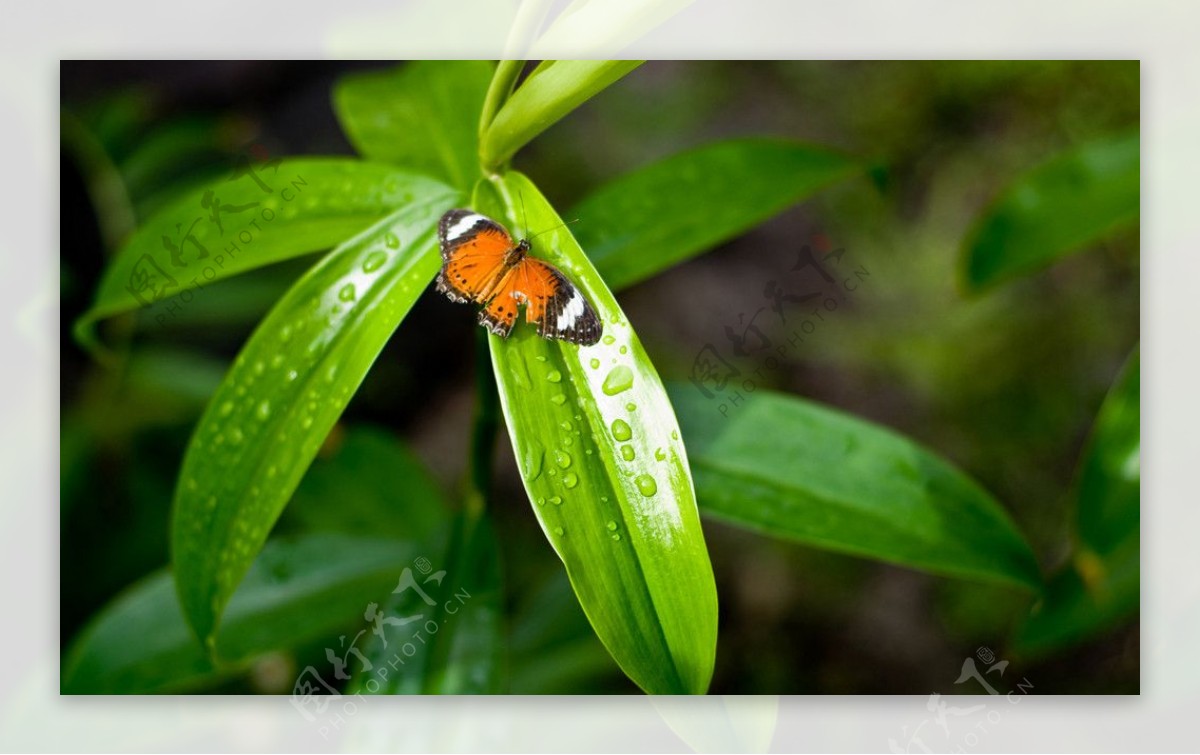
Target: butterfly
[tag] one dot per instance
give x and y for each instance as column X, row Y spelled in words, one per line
column 482, row 264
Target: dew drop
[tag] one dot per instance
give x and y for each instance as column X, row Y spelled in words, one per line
column 533, row 461
column 620, row 430
column 562, row 459
column 555, row 500
column 347, row 293
column 646, row 484
column 595, row 363
column 660, row 454
column 541, row 501
column 292, row 375
column 627, row 453
column 609, row 340
column 391, row 240
column 552, row 472
column 570, row 479
column 612, row 526
column 675, row 434
column 554, row 376
column 631, row 407
column 616, row 536
column 623, row 350
column 374, row 261
column 264, row 410
column 558, row 531
column 559, row 399
column 618, row 380
column 226, row 408
column 566, row 425
column 235, row 436
column 540, row 358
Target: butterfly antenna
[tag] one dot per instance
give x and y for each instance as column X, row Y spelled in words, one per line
column 555, row 228
column 524, row 219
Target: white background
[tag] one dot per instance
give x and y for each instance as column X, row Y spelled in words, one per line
column 33, row 37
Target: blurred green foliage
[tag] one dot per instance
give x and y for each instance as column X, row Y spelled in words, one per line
column 1004, row 385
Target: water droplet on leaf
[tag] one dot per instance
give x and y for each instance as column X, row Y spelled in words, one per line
column 374, row 261
column 620, row 430
column 646, row 484
column 618, row 380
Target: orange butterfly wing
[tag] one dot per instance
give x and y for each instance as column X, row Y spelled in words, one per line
column 473, row 252
column 552, row 303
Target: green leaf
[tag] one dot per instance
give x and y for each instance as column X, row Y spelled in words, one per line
column 790, row 468
column 1083, row 600
column 607, row 476
column 421, row 115
column 1072, row 200
column 1109, row 508
column 299, row 590
column 312, row 204
column 1100, row 587
column 379, row 486
column 554, row 89
column 285, row 390
column 667, row 212
column 450, row 641
column 552, row 647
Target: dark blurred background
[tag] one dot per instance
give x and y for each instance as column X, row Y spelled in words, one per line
column 1005, row 385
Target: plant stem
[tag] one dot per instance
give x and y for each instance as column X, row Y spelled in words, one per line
column 503, row 82
column 483, row 431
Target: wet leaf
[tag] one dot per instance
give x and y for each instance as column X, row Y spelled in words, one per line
column 790, row 468
column 308, row 205
column 287, row 387
column 607, row 476
column 646, row 221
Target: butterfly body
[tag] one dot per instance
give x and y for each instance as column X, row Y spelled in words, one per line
column 481, row 263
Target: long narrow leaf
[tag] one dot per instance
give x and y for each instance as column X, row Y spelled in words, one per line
column 1100, row 587
column 1059, row 207
column 1109, row 507
column 790, row 468
column 667, row 212
column 606, row 473
column 420, row 116
column 298, row 590
column 267, row 213
column 287, row 387
column 554, row 89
